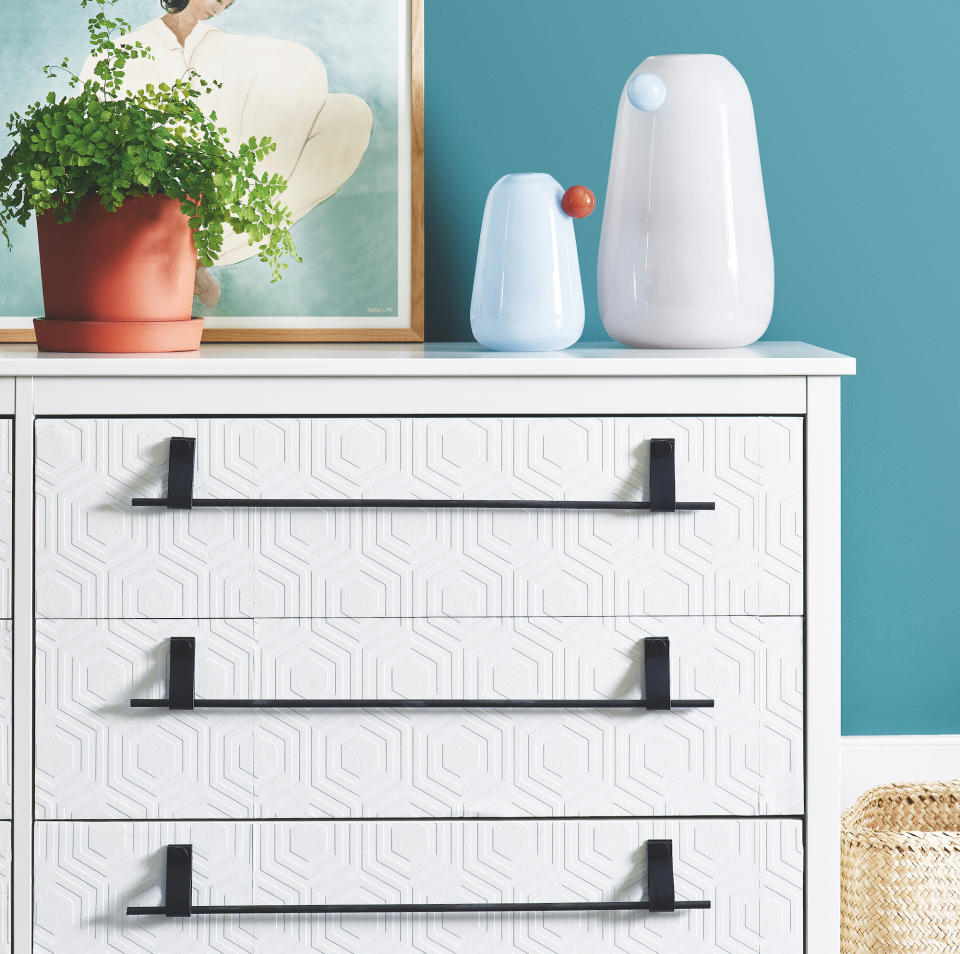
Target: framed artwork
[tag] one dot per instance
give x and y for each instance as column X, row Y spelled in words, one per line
column 338, row 85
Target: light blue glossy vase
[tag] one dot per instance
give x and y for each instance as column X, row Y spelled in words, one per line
column 527, row 293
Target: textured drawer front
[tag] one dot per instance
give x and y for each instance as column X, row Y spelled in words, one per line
column 6, row 519
column 751, row 871
column 5, row 872
column 6, row 702
column 98, row 557
column 97, row 758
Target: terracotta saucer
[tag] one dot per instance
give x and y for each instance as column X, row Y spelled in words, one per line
column 118, row 337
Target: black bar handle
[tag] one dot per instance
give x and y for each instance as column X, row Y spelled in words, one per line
column 200, row 910
column 661, row 892
column 639, row 704
column 337, row 503
column 182, row 678
column 181, row 467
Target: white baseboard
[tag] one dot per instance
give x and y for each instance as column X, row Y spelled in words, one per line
column 869, row 760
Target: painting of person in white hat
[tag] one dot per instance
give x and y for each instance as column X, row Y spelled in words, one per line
column 270, row 87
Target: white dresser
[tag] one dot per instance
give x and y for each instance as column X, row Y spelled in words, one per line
column 420, row 650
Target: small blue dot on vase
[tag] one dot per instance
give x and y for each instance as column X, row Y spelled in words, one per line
column 647, row 92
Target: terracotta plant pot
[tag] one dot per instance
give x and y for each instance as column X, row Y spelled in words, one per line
column 112, row 269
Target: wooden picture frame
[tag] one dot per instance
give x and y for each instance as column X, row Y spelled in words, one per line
column 402, row 330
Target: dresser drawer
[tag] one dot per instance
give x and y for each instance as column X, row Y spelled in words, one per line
column 5, row 879
column 6, row 716
column 749, row 871
column 6, row 519
column 97, row 757
column 98, row 557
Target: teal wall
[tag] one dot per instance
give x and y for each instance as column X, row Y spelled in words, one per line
column 857, row 109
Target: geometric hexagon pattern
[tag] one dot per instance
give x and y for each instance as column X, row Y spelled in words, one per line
column 750, row 870
column 97, row 758
column 6, row 713
column 98, row 557
column 6, row 519
column 5, row 871
column 414, row 603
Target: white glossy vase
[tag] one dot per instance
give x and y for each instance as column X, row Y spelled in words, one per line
column 685, row 254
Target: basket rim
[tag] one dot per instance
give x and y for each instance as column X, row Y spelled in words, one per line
column 853, row 825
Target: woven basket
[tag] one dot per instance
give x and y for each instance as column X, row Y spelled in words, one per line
column 900, row 862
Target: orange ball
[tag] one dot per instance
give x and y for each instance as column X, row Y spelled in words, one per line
column 578, row 202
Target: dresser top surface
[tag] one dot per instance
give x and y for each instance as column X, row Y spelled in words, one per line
column 766, row 358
